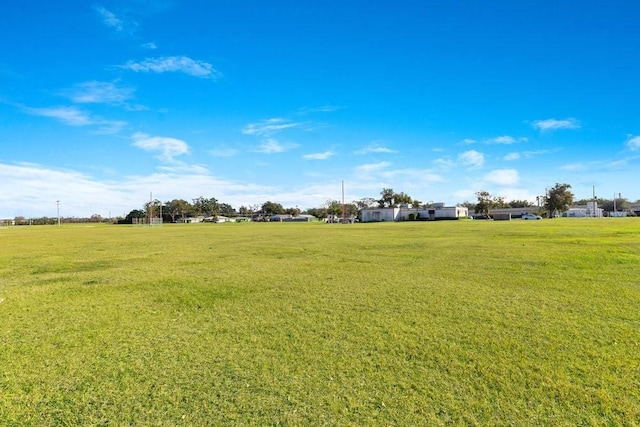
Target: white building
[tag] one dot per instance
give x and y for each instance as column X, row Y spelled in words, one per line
column 409, row 213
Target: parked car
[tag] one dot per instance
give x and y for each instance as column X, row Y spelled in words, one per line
column 480, row 216
column 531, row 216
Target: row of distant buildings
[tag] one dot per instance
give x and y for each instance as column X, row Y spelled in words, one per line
column 438, row 211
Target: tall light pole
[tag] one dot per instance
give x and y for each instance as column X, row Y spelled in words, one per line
column 58, row 207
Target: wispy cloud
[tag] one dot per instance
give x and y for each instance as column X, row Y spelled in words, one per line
column 471, row 158
column 174, row 64
column 633, row 143
column 150, row 45
column 554, row 124
column 118, row 23
column 372, row 167
column 68, row 115
column 223, row 152
column 321, row 109
column 505, row 139
column 374, row 147
column 168, row 148
column 269, row 126
column 72, row 116
column 110, row 19
column 95, row 92
column 319, row 156
column 528, row 154
column 503, row 177
column 468, row 141
column 272, row 146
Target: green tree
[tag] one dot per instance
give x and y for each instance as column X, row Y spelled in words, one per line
column 226, row 209
column 484, row 203
column 136, row 213
column 387, row 198
column 559, row 199
column 366, row 202
column 272, row 208
column 618, row 204
column 402, row 199
column 206, row 207
column 333, row 207
column 177, row 207
column 520, row 204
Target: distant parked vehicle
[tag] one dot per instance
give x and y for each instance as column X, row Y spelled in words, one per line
column 480, row 216
column 531, row 216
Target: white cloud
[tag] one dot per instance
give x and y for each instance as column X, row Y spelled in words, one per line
column 223, row 152
column 150, row 45
column 72, row 116
column 553, row 124
column 167, row 147
column 322, row 109
column 269, row 127
column 110, row 19
column 372, row 167
column 633, row 143
column 31, row 190
column 445, row 163
column 319, row 156
column 505, row 139
column 175, row 64
column 374, row 148
column 68, row 115
column 118, row 22
column 512, row 156
column 468, row 141
column 95, row 92
column 506, row 177
column 471, row 158
column 272, row 146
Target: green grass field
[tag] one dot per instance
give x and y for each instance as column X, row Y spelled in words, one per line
column 441, row 323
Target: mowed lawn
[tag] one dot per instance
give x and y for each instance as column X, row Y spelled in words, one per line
column 393, row 324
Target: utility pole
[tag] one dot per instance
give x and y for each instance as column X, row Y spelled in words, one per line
column 58, row 207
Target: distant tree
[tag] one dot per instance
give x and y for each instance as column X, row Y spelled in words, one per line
column 292, row 211
column 153, row 208
column 177, row 207
column 387, row 198
column 402, row 199
column 333, row 207
column 484, row 202
column 366, row 202
column 134, row 214
column 487, row 202
column 318, row 212
column 206, row 207
column 618, row 204
column 598, row 200
column 351, row 210
column 272, row 208
column 559, row 199
column 520, row 204
column 226, row 209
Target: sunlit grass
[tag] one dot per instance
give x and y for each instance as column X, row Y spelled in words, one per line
column 460, row 322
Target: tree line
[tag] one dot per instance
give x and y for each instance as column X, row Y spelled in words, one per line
column 555, row 200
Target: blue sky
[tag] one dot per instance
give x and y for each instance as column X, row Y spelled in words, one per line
column 105, row 102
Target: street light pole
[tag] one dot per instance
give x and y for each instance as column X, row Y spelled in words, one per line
column 58, row 207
